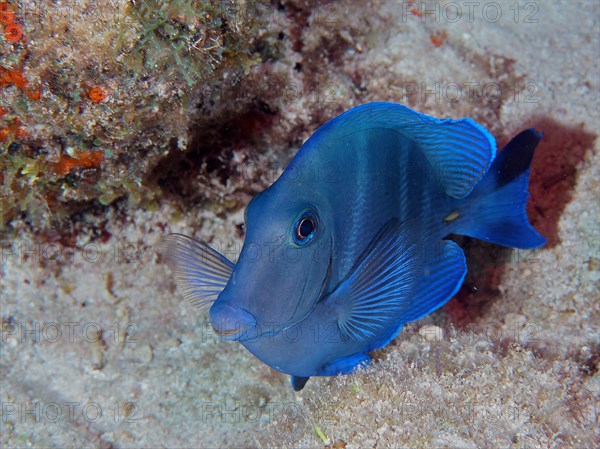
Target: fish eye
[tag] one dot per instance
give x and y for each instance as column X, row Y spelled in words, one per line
column 305, row 228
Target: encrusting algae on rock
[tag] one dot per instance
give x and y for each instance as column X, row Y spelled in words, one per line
column 117, row 78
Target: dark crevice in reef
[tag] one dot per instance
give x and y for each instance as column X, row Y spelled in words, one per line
column 552, row 183
column 211, row 146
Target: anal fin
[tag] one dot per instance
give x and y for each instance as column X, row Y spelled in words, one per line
column 344, row 365
column 443, row 278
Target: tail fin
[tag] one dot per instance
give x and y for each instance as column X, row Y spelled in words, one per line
column 497, row 204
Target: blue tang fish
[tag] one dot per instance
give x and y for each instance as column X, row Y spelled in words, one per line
column 350, row 242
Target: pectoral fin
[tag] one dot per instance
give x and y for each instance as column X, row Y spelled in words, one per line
column 379, row 288
column 393, row 285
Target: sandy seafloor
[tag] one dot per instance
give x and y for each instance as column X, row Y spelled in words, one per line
column 514, row 367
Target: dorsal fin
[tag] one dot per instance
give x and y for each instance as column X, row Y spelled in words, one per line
column 459, row 151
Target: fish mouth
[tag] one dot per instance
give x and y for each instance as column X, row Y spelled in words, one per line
column 235, row 323
column 231, row 323
column 230, row 333
column 240, row 334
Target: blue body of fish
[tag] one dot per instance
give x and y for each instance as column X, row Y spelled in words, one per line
column 350, row 243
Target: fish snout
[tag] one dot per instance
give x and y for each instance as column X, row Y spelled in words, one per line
column 230, row 322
